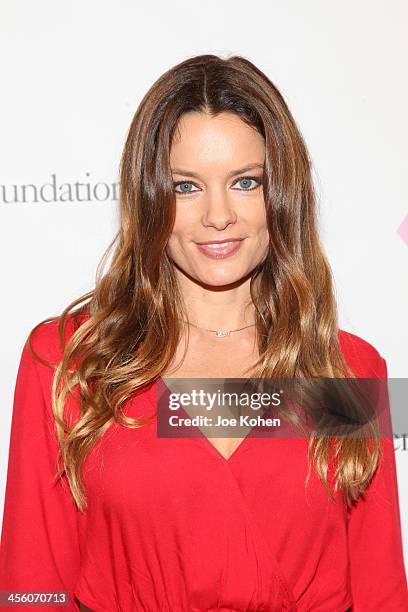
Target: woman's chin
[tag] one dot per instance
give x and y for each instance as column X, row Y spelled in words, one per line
column 220, row 280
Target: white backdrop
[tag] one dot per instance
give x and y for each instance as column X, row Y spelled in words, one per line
column 72, row 74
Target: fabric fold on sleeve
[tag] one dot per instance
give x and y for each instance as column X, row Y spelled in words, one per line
column 377, row 572
column 39, row 549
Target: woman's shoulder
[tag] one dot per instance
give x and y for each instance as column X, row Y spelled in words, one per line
column 46, row 336
column 362, row 356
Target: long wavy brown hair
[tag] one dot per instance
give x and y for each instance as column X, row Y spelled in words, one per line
column 128, row 327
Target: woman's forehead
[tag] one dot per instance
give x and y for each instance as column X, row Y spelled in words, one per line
column 224, row 141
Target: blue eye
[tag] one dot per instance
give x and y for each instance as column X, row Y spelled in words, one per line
column 184, row 187
column 246, row 183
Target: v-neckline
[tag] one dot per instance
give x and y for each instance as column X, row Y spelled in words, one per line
column 219, row 453
column 204, row 438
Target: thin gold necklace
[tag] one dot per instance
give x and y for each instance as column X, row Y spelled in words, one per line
column 220, row 333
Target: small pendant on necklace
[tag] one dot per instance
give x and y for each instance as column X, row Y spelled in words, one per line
column 221, row 333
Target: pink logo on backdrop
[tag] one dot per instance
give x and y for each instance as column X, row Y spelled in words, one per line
column 403, row 230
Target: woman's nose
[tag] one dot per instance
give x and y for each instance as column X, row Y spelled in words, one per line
column 219, row 210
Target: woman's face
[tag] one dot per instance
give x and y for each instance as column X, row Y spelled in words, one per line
column 217, row 166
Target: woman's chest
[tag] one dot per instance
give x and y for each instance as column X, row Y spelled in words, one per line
column 138, row 473
column 215, row 361
column 157, row 503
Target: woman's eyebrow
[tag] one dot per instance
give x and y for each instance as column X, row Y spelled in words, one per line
column 230, row 174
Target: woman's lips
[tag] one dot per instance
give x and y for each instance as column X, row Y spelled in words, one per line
column 221, row 250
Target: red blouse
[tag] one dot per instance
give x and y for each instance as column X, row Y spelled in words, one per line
column 172, row 526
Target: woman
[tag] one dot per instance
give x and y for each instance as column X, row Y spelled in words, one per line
column 218, row 233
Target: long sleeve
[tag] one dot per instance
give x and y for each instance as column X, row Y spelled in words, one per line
column 378, row 579
column 39, row 549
